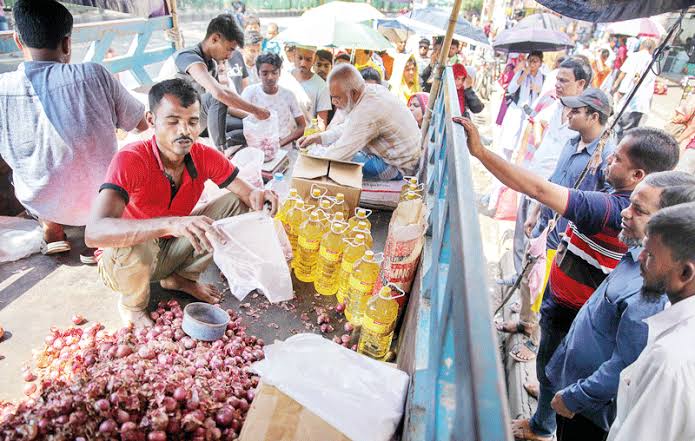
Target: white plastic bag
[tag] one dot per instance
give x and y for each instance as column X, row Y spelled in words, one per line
column 263, row 134
column 361, row 397
column 253, row 257
column 249, row 161
column 19, row 238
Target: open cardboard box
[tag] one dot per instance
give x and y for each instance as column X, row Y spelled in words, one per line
column 275, row 416
column 336, row 176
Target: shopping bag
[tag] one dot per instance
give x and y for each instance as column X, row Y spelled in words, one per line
column 19, row 238
column 263, row 134
column 249, row 161
column 253, row 257
column 506, row 205
column 361, row 397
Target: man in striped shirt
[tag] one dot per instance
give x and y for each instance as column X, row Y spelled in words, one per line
column 591, row 249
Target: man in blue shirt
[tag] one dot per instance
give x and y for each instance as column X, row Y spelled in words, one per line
column 608, row 333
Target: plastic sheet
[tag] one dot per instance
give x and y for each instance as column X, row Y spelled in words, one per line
column 361, row 397
column 19, row 238
column 263, row 134
column 253, row 257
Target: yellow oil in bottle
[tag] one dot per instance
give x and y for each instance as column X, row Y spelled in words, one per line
column 414, row 189
column 324, row 212
column 330, row 256
column 339, row 217
column 406, row 186
column 353, row 251
column 361, row 214
column 378, row 324
column 362, row 228
column 312, row 128
column 308, row 242
column 295, row 217
column 340, row 206
column 360, row 286
column 289, row 203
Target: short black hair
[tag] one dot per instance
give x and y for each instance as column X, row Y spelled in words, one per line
column 651, row 149
column 269, row 58
column 323, row 54
column 538, row 54
column 424, row 42
column 42, row 24
column 178, row 87
column 227, row 27
column 369, row 73
column 675, row 226
column 578, row 68
column 605, row 53
column 345, row 57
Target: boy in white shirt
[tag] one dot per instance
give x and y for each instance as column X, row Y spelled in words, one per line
column 279, row 100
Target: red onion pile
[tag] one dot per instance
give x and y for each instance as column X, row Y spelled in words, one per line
column 149, row 384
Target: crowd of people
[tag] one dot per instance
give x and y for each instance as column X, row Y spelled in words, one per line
column 607, row 290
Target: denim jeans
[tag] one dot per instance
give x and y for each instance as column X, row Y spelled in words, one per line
column 554, row 324
column 376, row 168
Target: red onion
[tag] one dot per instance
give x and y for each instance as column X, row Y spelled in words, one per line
column 345, row 338
column 77, row 319
column 158, row 435
column 225, row 416
column 340, row 307
column 123, row 351
column 29, row 376
column 348, row 327
column 29, row 388
column 169, row 404
column 180, row 394
column 102, row 405
column 122, row 416
column 146, row 352
column 108, row 426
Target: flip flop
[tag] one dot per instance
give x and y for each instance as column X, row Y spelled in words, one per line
column 514, row 352
column 57, row 247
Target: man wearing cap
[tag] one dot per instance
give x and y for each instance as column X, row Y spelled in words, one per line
column 423, row 55
column 591, row 248
column 317, row 101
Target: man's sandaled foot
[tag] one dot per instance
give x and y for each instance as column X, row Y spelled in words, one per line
column 204, row 292
column 523, row 353
column 521, row 429
column 533, row 389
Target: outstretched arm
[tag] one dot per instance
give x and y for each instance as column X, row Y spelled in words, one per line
column 517, row 178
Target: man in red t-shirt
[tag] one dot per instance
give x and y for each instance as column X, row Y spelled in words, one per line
column 143, row 217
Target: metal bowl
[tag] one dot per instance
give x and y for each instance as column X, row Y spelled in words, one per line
column 203, row 321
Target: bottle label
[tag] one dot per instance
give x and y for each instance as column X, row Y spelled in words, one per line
column 376, row 327
column 329, row 255
column 311, row 245
column 346, row 266
column 363, row 287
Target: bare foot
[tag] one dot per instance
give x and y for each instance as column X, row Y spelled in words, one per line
column 202, row 291
column 532, row 388
column 521, row 429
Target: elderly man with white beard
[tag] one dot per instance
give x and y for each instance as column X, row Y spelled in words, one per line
column 378, row 131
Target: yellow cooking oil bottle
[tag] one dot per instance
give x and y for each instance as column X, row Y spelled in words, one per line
column 292, row 198
column 416, row 189
column 308, row 242
column 312, row 128
column 379, row 323
column 408, row 181
column 411, row 195
column 339, row 217
column 361, row 214
column 362, row 228
column 360, row 286
column 324, row 212
column 330, row 255
column 294, row 218
column 317, row 193
column 340, row 206
column 352, row 252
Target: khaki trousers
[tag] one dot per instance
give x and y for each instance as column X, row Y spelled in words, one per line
column 130, row 270
column 526, row 315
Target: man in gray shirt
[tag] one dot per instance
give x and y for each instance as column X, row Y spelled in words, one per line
column 199, row 64
column 58, row 123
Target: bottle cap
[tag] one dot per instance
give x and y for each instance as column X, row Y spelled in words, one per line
column 278, row 176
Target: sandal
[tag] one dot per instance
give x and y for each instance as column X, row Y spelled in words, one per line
column 511, row 327
column 516, row 351
column 57, row 247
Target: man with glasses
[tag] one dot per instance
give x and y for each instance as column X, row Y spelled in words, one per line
column 423, row 55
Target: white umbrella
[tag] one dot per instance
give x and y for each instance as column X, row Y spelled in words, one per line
column 345, row 11
column 639, row 27
column 333, row 33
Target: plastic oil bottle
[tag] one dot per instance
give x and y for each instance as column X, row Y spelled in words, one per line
column 339, row 217
column 361, row 214
column 308, row 242
column 330, row 256
column 406, row 186
column 378, row 323
column 362, row 228
column 412, row 188
column 324, row 212
column 312, row 128
column 360, row 286
column 340, row 206
column 294, row 218
column 353, row 251
column 292, row 198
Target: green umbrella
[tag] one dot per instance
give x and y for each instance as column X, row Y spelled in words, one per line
column 333, row 33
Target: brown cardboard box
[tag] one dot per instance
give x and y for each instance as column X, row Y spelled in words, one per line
column 336, row 176
column 275, row 416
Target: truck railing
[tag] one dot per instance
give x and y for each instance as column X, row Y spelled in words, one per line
column 458, row 389
column 102, row 34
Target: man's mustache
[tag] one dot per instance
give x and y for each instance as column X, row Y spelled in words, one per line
column 183, row 138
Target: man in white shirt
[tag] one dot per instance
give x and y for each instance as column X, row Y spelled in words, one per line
column 277, row 99
column 319, row 101
column 378, row 131
column 630, row 73
column 655, row 397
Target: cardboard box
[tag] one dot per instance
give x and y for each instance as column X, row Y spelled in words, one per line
column 336, row 176
column 274, row 416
